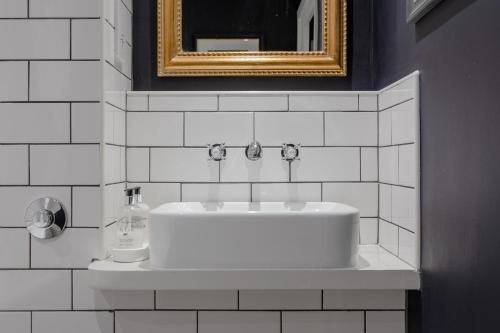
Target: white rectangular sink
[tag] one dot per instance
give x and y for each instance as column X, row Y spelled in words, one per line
column 254, row 235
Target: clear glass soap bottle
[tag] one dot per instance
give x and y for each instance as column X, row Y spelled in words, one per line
column 145, row 213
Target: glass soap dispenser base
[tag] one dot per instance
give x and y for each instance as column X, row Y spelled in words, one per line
column 130, row 255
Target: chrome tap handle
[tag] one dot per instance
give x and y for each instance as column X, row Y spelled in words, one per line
column 290, row 152
column 254, row 151
column 217, row 152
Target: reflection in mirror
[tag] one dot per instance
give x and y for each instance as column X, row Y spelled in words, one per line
column 251, row 25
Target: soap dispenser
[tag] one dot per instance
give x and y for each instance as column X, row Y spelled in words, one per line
column 146, row 209
column 130, row 243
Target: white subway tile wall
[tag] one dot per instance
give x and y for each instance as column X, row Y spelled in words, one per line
column 399, row 169
column 74, row 140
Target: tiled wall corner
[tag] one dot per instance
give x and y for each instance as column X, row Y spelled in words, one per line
column 399, row 169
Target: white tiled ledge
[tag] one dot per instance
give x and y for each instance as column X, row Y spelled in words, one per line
column 378, row 269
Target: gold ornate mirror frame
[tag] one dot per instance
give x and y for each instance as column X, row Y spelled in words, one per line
column 172, row 61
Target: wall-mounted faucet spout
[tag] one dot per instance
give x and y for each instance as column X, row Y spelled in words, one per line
column 254, row 151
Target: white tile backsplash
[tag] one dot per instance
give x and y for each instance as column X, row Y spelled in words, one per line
column 156, row 322
column 368, row 102
column 215, row 192
column 327, row 164
column 87, row 207
column 13, row 8
column 13, row 80
column 34, row 39
column 407, row 247
column 403, row 123
column 385, row 322
column 14, row 248
column 179, row 102
column 388, row 165
column 388, row 236
column 404, row 210
column 34, row 123
column 253, row 102
column 85, row 39
column 138, row 164
column 86, row 122
column 363, row 196
column 65, row 165
column 324, row 102
column 236, row 321
column 369, row 164
column 14, row 165
column 323, row 322
column 154, row 129
column 407, row 165
column 231, row 128
column 280, row 299
column 75, row 322
column 137, row 102
column 364, row 299
column 286, row 192
column 16, row 322
column 52, row 290
column 197, row 299
column 351, row 129
column 55, row 81
column 277, row 128
column 65, row 8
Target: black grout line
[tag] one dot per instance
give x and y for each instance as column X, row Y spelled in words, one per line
column 70, row 39
column 29, row 164
column 70, row 123
column 29, row 81
column 71, row 205
column 72, row 289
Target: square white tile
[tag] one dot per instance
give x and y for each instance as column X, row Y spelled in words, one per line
column 87, row 207
column 280, row 299
column 385, row 128
column 385, row 322
column 137, row 102
column 323, row 102
column 388, row 236
column 154, row 129
column 14, row 248
column 86, row 39
column 34, row 39
column 363, row 196
column 323, row 322
column 385, row 193
column 197, row 299
column 286, row 192
column 241, row 322
column 86, row 122
column 55, row 81
column 351, row 129
column 388, row 165
column 13, row 80
column 156, row 322
column 215, row 192
column 237, row 168
column 327, row 164
column 183, row 165
column 369, row 164
column 276, row 128
column 368, row 102
column 14, row 165
column 186, row 102
column 34, row 123
column 75, row 322
column 138, row 164
column 88, row 298
column 254, row 102
column 52, row 290
column 364, row 299
column 75, row 248
column 231, row 128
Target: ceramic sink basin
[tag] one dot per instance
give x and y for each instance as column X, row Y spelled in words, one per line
column 254, row 235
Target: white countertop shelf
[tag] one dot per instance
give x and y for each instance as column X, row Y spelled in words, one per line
column 377, row 269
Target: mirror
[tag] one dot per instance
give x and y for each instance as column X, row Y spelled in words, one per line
column 252, row 37
column 251, row 25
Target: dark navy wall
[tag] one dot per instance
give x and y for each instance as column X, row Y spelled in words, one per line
column 360, row 59
column 457, row 49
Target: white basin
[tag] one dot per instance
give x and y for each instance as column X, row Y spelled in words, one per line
column 254, row 235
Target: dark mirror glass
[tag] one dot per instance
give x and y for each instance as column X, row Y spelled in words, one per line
column 251, row 25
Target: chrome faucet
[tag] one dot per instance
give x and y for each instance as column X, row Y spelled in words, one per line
column 217, row 152
column 290, row 152
column 254, row 151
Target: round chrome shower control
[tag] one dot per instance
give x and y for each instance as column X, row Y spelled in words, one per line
column 217, row 152
column 45, row 218
column 290, row 152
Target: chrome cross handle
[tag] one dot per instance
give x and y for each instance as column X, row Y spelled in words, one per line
column 290, row 152
column 217, row 152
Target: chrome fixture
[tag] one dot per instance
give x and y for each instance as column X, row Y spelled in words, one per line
column 254, row 151
column 290, row 152
column 217, row 152
column 45, row 218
